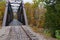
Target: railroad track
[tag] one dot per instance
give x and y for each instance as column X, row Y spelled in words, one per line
column 18, row 33
column 26, row 33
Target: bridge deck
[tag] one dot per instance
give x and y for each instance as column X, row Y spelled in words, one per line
column 15, row 22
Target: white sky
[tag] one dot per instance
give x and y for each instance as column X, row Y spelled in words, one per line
column 30, row 1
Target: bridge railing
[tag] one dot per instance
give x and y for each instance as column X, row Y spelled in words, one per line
column 8, row 15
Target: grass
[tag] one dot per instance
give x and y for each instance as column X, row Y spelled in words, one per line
column 40, row 31
column 37, row 30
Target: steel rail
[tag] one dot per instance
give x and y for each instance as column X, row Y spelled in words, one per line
column 26, row 33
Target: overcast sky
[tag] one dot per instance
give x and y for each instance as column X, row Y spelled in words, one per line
column 27, row 1
column 30, row 1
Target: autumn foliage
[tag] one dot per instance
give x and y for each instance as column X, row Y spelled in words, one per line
column 2, row 9
column 35, row 15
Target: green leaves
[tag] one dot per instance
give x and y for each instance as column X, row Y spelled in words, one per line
column 57, row 6
column 53, row 17
column 57, row 34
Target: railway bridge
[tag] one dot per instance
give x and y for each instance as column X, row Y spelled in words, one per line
column 12, row 10
column 15, row 23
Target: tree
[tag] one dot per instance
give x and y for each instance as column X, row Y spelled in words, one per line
column 29, row 11
column 35, row 13
column 2, row 9
column 39, row 12
column 52, row 17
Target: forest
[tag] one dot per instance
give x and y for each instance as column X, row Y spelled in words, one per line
column 44, row 17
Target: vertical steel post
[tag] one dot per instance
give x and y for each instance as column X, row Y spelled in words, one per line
column 24, row 12
column 5, row 15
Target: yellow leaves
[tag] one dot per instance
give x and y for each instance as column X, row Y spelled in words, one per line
column 2, row 9
column 0, row 24
column 42, row 10
column 36, row 16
